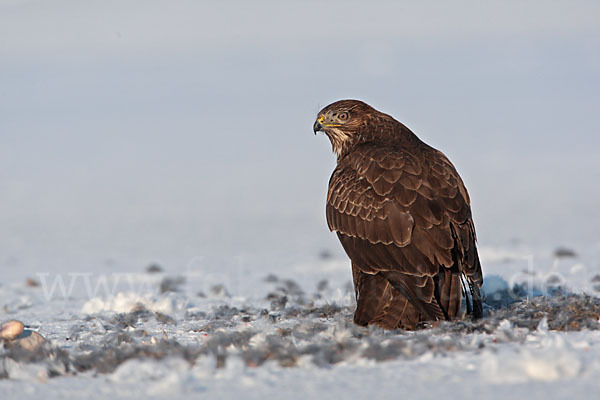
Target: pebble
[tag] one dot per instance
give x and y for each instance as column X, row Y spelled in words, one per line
column 154, row 269
column 11, row 329
column 29, row 341
column 14, row 335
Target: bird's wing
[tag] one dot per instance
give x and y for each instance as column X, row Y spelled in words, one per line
column 398, row 212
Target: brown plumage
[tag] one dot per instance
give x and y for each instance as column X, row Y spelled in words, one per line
column 403, row 216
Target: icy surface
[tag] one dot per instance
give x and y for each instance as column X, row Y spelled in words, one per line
column 162, row 195
column 294, row 340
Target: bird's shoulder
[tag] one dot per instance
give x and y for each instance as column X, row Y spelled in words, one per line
column 389, row 169
column 379, row 184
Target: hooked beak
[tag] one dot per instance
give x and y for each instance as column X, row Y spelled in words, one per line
column 317, row 127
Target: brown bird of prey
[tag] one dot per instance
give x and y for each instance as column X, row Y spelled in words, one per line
column 403, row 216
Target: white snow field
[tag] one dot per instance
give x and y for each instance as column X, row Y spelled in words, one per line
column 152, row 334
column 162, row 196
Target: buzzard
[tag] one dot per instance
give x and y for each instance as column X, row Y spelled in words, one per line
column 403, row 216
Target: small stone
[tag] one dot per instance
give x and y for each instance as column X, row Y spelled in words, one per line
column 171, row 284
column 154, row 269
column 28, row 341
column 32, row 282
column 563, row 252
column 11, row 330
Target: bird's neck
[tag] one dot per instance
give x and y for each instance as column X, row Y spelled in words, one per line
column 341, row 142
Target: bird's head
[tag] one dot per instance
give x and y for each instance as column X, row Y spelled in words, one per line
column 344, row 122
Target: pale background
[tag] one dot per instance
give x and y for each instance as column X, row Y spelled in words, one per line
column 133, row 132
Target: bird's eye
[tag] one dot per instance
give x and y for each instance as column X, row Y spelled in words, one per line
column 343, row 116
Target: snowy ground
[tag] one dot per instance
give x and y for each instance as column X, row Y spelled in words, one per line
column 156, row 333
column 139, row 133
